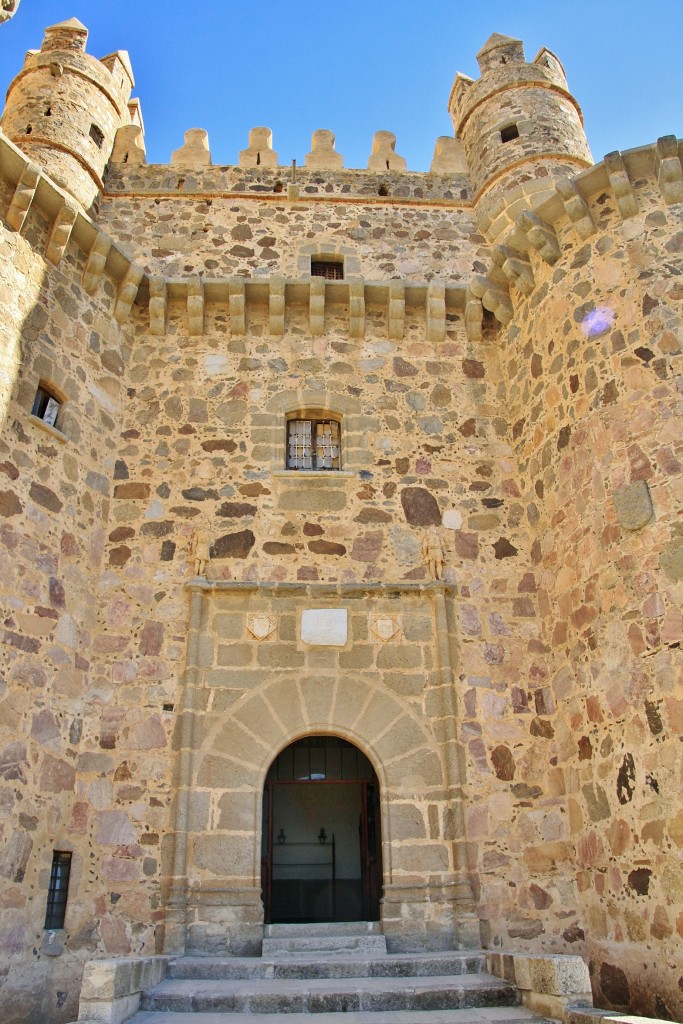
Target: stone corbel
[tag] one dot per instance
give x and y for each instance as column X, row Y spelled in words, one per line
column 23, row 197
column 493, row 298
column 474, row 316
column 576, row 207
column 128, row 289
column 94, row 268
column 276, row 307
column 542, row 237
column 435, row 310
column 356, row 308
column 61, row 232
column 620, row 184
column 668, row 169
column 237, row 305
column 195, row 307
column 157, row 306
column 516, row 267
column 317, row 307
column 396, row 313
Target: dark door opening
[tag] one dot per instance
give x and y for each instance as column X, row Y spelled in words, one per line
column 321, row 842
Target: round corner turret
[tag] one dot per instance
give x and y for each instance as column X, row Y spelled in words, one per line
column 520, row 127
column 499, row 50
column 65, row 106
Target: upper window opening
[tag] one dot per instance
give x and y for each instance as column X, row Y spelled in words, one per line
column 313, row 444
column 46, row 406
column 510, row 132
column 58, row 890
column 97, row 135
column 332, row 270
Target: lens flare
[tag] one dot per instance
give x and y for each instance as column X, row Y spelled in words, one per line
column 597, row 321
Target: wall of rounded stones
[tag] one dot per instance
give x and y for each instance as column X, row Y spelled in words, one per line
column 594, row 406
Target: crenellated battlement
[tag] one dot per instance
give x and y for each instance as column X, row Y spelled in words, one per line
column 213, row 180
column 540, row 234
column 195, row 153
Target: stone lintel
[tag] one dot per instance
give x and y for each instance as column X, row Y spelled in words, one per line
column 350, row 590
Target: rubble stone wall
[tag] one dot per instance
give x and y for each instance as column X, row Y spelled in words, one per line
column 590, row 367
column 54, row 506
column 200, row 231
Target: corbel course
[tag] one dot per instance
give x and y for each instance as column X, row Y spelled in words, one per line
column 94, row 267
column 195, row 306
column 237, row 306
column 157, row 306
column 61, row 232
column 576, row 207
column 23, row 197
column 356, row 308
column 128, row 289
column 516, row 267
column 493, row 296
column 668, row 169
column 474, row 317
column 396, row 311
column 435, row 311
column 541, row 236
column 276, row 307
column 620, row 184
column 317, row 307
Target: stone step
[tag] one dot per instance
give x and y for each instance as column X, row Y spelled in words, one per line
column 346, row 995
column 394, row 965
column 472, row 1015
column 325, row 945
column 324, row 928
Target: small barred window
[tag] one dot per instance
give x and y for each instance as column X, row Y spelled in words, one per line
column 313, row 444
column 329, row 269
column 59, row 889
column 46, row 406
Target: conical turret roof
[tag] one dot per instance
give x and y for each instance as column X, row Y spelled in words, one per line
column 497, row 39
column 73, row 23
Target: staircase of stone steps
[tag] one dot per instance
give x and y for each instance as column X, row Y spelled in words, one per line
column 337, row 973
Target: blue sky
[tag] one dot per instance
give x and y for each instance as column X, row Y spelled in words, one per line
column 357, row 67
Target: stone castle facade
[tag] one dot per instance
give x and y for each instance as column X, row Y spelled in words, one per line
column 387, row 457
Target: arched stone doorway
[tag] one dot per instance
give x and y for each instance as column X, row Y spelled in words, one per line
column 321, row 847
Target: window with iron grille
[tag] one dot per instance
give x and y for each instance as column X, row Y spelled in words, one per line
column 46, row 406
column 59, row 889
column 313, row 444
column 333, row 271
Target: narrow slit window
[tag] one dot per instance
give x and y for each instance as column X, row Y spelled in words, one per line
column 313, row 444
column 46, row 406
column 330, row 269
column 510, row 132
column 97, row 135
column 59, row 890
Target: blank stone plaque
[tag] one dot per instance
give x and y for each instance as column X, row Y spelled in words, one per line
column 324, row 627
